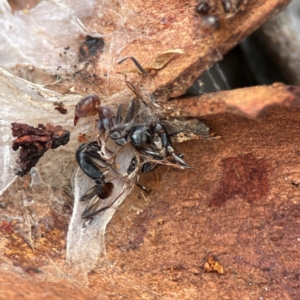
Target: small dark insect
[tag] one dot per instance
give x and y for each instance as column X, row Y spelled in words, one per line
column 61, row 109
column 90, row 162
column 92, row 165
column 218, row 7
column 212, row 11
column 92, row 46
column 33, row 270
column 232, row 6
column 210, row 22
column 203, row 7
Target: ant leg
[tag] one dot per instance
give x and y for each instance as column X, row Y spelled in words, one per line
column 137, row 64
column 92, row 209
column 143, row 188
column 115, row 153
column 130, row 112
column 167, row 144
column 101, row 130
column 119, row 132
column 135, row 91
column 119, row 114
column 181, row 162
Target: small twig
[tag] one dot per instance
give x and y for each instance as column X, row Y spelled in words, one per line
column 144, row 196
column 163, row 161
column 135, row 91
column 237, row 174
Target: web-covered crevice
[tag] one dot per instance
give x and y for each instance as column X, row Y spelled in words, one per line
column 46, row 39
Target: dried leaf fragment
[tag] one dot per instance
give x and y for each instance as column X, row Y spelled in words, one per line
column 82, row 138
column 6, row 227
column 34, row 142
column 212, row 265
column 164, row 58
column 160, row 61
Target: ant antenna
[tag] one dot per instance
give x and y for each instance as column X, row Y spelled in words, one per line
column 143, row 188
column 134, row 91
column 141, row 69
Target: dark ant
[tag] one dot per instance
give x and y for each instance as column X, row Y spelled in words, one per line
column 212, row 10
column 217, row 7
column 90, row 162
column 203, row 7
column 91, row 47
column 232, row 6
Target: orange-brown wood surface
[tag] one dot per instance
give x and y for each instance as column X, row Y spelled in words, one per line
column 227, row 229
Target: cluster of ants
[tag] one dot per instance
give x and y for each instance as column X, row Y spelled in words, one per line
column 211, row 10
column 150, row 143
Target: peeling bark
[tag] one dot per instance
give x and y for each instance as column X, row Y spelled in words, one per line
column 249, row 102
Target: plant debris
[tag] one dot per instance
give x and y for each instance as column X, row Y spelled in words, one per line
column 212, row 265
column 34, row 142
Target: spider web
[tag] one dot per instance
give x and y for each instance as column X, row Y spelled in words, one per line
column 38, row 39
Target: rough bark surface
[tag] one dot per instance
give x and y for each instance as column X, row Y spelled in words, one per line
column 248, row 102
column 239, row 207
column 160, row 27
